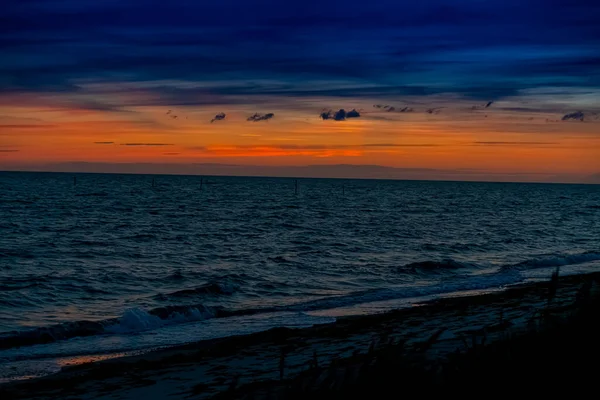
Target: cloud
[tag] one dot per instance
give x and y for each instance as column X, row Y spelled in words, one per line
column 339, row 115
column 8, row 150
column 326, row 115
column 201, row 54
column 575, row 116
column 94, row 105
column 25, row 126
column 104, row 142
column 380, row 118
column 314, row 147
column 391, row 145
column 385, row 107
column 218, row 117
column 260, row 117
column 353, row 114
column 514, row 143
column 389, row 108
column 483, row 106
column 173, row 44
column 147, row 144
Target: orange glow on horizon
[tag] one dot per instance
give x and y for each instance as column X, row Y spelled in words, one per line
column 35, row 134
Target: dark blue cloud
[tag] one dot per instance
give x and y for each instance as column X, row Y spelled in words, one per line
column 218, row 117
column 327, row 114
column 574, row 116
column 484, row 50
column 339, row 115
column 260, row 117
column 352, row 114
column 388, row 108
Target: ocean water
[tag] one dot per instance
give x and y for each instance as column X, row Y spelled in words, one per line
column 117, row 264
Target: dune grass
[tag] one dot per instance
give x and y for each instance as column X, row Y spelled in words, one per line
column 558, row 353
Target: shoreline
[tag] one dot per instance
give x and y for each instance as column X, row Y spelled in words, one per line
column 206, row 368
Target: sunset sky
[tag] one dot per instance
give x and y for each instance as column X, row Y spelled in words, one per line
column 110, row 85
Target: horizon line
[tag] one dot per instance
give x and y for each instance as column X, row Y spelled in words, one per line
column 592, row 179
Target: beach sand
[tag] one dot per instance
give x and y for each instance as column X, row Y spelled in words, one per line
column 263, row 362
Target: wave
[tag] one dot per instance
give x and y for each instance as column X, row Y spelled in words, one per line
column 17, row 201
column 279, row 260
column 140, row 236
column 16, row 253
column 508, row 275
column 176, row 276
column 137, row 319
column 94, row 194
column 27, row 279
column 207, row 289
column 9, row 288
column 50, row 334
column 556, row 260
column 80, row 242
column 548, row 261
column 132, row 320
column 436, row 266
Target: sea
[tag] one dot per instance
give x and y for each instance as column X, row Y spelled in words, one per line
column 96, row 266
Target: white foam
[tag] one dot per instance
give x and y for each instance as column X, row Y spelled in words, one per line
column 139, row 320
column 135, row 319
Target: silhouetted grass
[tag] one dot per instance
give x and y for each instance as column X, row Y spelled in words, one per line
column 556, row 355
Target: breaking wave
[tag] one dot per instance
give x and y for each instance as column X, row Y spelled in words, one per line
column 132, row 320
column 207, row 289
column 556, row 260
column 138, row 320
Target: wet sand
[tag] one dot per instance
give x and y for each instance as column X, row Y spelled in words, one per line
column 202, row 370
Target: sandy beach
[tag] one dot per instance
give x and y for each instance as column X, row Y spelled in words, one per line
column 202, row 370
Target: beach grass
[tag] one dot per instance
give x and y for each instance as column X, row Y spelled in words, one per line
column 558, row 353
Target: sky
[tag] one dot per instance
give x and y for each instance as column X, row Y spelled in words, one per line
column 466, row 89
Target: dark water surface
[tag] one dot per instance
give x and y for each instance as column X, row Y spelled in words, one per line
column 130, row 266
